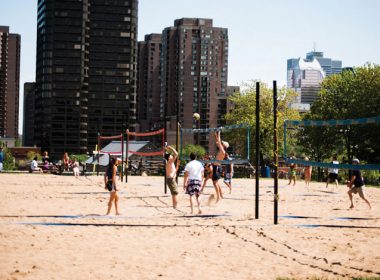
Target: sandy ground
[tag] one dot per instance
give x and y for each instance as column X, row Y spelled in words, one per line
column 53, row 227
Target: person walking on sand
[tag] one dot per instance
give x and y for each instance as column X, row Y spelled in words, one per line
column 333, row 173
column 356, row 185
column 292, row 173
column 110, row 185
column 217, row 168
column 229, row 173
column 193, row 180
column 307, row 173
column 171, row 173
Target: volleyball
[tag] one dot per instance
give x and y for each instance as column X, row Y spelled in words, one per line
column 196, row 116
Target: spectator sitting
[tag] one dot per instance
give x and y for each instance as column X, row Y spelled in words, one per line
column 46, row 166
column 34, row 166
column 65, row 162
column 75, row 166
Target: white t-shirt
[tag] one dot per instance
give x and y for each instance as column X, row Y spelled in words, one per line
column 194, row 170
column 34, row 165
column 334, row 170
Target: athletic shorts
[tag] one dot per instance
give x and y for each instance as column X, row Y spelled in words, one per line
column 216, row 172
column 359, row 190
column 193, row 187
column 227, row 178
column 333, row 176
column 172, row 184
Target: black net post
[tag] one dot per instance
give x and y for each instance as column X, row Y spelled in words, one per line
column 257, row 158
column 275, row 152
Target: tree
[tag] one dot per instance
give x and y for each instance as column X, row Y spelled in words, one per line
column 199, row 151
column 245, row 112
column 9, row 160
column 349, row 95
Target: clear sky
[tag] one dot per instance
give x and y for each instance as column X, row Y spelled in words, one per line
column 262, row 34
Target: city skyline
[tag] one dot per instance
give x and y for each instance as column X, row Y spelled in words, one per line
column 262, row 35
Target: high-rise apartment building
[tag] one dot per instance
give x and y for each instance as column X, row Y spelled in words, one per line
column 9, row 82
column 305, row 76
column 149, row 82
column 86, row 72
column 29, row 111
column 194, row 74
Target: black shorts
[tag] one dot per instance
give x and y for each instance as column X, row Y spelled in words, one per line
column 216, row 172
column 333, row 176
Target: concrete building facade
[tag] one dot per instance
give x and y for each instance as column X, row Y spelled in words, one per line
column 149, row 82
column 194, row 69
column 9, row 82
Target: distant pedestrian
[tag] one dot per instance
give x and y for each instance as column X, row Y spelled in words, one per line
column 307, row 173
column 356, row 185
column 110, row 185
column 333, row 173
column 292, row 172
column 193, row 181
column 228, row 173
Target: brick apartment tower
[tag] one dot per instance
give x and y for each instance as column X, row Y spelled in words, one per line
column 86, row 72
column 9, row 82
column 149, row 82
column 194, row 76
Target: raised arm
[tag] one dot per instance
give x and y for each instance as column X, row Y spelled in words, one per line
column 218, row 141
column 175, row 153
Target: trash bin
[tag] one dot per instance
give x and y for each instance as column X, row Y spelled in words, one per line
column 265, row 172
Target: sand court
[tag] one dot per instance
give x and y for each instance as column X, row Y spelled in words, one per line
column 54, row 227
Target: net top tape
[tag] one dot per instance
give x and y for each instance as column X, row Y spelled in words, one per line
column 331, row 165
column 222, row 128
column 333, row 122
column 146, row 133
column 234, row 161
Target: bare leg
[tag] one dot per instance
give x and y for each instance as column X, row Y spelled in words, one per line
column 216, row 186
column 112, row 197
column 198, row 204
column 175, row 202
column 116, row 204
column 350, row 196
column 366, row 200
column 191, row 204
column 327, row 182
column 228, row 185
column 204, row 182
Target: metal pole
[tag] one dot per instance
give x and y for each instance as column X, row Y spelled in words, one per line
column 126, row 157
column 165, row 140
column 176, row 147
column 285, row 140
column 122, row 156
column 257, row 157
column 275, row 152
column 97, row 167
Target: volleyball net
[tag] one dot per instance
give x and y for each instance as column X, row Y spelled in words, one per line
column 321, row 139
column 237, row 135
column 154, row 142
